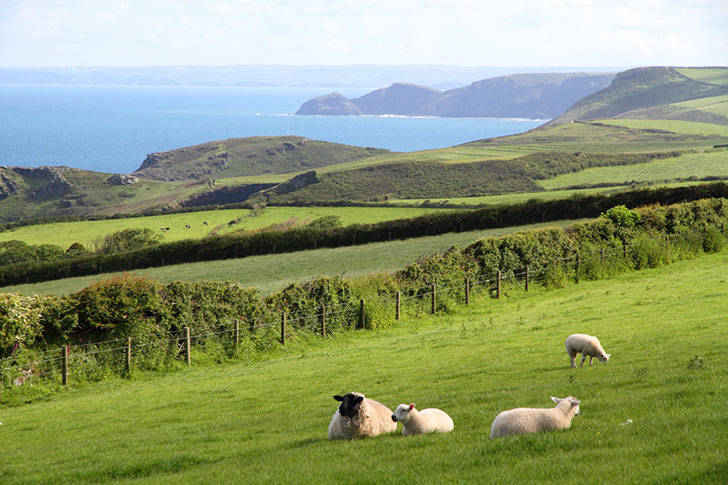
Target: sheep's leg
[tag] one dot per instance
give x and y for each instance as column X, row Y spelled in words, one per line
column 590, row 360
column 573, row 360
column 583, row 358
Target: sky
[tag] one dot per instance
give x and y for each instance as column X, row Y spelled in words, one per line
column 586, row 33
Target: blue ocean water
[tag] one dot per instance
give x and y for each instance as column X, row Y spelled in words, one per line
column 112, row 129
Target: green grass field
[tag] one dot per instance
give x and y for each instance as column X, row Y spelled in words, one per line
column 708, row 164
column 713, row 104
column 706, row 75
column 511, row 198
column 66, row 233
column 265, row 421
column 675, row 126
column 273, row 272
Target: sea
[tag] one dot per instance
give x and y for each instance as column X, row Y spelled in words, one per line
column 113, row 128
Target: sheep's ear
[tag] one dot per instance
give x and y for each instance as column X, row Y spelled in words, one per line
column 574, row 402
column 556, row 399
column 339, row 398
column 608, row 355
column 411, row 406
column 358, row 400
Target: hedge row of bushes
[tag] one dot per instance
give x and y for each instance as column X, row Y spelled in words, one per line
column 154, row 314
column 237, row 246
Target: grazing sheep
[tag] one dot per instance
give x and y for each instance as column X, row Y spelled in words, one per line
column 360, row 417
column 429, row 420
column 533, row 420
column 586, row 345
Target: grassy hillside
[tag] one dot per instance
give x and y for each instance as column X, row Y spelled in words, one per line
column 265, row 421
column 273, row 272
column 651, row 93
column 219, row 221
column 427, row 179
column 712, row 164
column 249, row 156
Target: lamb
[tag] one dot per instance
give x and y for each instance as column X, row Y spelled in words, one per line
column 587, row 345
column 532, row 420
column 429, row 420
column 360, row 417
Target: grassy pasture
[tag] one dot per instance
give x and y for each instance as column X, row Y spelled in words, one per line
column 66, row 233
column 675, row 126
column 706, row 74
column 264, row 421
column 713, row 104
column 273, row 272
column 510, row 198
column 712, row 163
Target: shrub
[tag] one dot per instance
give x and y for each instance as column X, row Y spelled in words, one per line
column 646, row 252
column 621, row 216
column 304, row 301
column 19, row 322
column 713, row 240
column 127, row 240
column 555, row 276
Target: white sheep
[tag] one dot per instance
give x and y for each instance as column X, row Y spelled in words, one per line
column 360, row 417
column 429, row 420
column 587, row 346
column 533, row 420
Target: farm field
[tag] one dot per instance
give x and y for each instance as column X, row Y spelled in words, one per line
column 512, row 198
column 706, row 75
column 275, row 271
column 265, row 420
column 713, row 104
column 708, row 164
column 225, row 220
column 676, row 126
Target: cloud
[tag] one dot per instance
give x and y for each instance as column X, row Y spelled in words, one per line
column 466, row 32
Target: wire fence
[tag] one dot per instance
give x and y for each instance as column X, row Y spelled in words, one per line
column 122, row 356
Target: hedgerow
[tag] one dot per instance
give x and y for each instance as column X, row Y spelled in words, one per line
column 297, row 239
column 155, row 315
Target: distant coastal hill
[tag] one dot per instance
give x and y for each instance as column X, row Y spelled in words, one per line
column 535, row 96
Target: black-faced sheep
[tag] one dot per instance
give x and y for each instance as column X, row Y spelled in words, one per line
column 360, row 417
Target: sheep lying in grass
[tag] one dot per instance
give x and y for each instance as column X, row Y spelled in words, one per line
column 360, row 417
column 429, row 420
column 533, row 420
column 587, row 346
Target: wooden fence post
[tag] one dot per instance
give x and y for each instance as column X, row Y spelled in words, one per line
column 398, row 307
column 236, row 335
column 362, row 314
column 434, row 298
column 528, row 271
column 467, row 290
column 188, row 346
column 578, row 266
column 283, row 328
column 64, row 375
column 128, row 356
column 498, row 288
column 323, row 320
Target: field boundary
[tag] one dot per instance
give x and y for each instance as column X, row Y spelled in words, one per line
column 123, row 356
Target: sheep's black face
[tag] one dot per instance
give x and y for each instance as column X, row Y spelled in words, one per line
column 349, row 406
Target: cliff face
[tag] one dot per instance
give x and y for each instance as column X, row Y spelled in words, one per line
column 517, row 96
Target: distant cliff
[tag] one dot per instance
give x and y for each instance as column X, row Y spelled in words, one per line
column 516, row 96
